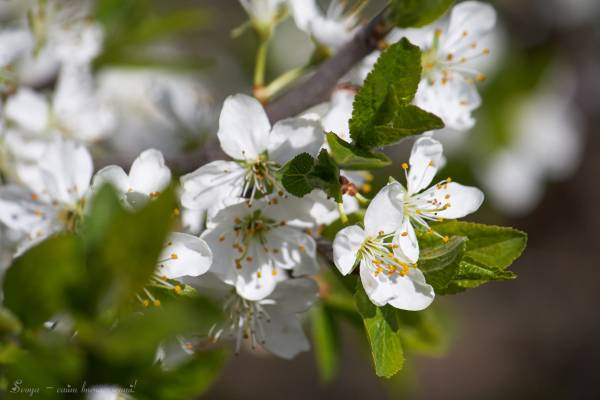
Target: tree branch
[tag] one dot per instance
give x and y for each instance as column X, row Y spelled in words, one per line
column 319, row 86
column 309, row 93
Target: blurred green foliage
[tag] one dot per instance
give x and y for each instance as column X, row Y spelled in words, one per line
column 134, row 26
column 83, row 288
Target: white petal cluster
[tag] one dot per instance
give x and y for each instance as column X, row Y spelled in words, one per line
column 258, row 151
column 52, row 43
column 451, row 49
column 387, row 249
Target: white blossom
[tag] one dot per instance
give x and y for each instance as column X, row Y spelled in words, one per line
column 147, row 178
column 271, row 323
column 387, row 274
column 418, row 204
column 258, row 150
column 53, row 195
column 333, row 28
column 254, row 245
column 75, row 111
column 264, row 13
column 48, row 36
column 168, row 111
column 450, row 50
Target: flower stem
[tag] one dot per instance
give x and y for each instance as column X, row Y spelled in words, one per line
column 261, row 63
column 362, row 199
column 282, row 82
column 342, row 212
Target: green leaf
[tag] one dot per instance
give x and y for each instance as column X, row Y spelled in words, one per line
column 440, row 263
column 415, row 13
column 489, row 251
column 186, row 381
column 495, row 246
column 123, row 247
column 39, row 283
column 51, row 361
column 136, row 337
column 383, row 331
column 303, row 174
column 422, row 332
column 472, row 274
column 325, row 339
column 382, row 113
column 399, row 121
column 350, row 157
column 9, row 324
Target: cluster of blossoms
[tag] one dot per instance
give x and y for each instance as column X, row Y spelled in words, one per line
column 386, row 248
column 252, row 245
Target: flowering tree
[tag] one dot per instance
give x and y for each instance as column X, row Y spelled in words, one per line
column 149, row 276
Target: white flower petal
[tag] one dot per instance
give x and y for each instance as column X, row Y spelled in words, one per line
column 382, row 213
column 243, row 128
column 220, row 240
column 255, row 279
column 185, row 255
column 425, row 158
column 14, row 44
column 148, row 173
column 67, row 168
column 29, row 110
column 210, row 184
column 193, row 221
column 293, row 136
column 463, row 200
column 415, row 294
column 346, row 245
column 295, row 295
column 337, row 118
column 291, row 248
column 408, row 292
column 453, row 100
column 78, row 109
column 114, row 176
column 295, row 211
column 284, row 335
column 304, row 11
column 474, row 18
column 407, row 240
column 331, row 33
column 325, row 210
column 21, row 211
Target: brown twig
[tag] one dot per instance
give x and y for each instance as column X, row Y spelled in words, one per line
column 319, row 86
column 310, row 92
